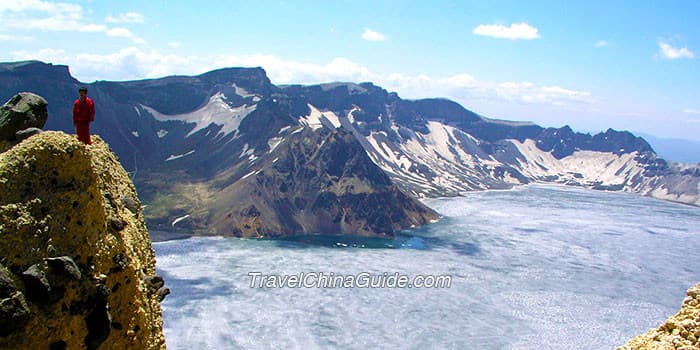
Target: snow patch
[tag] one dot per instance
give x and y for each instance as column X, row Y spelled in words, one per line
column 161, row 133
column 316, row 118
column 242, row 92
column 179, row 219
column 582, row 167
column 135, row 133
column 351, row 117
column 274, row 142
column 173, row 157
column 216, row 111
column 247, row 175
column 246, row 151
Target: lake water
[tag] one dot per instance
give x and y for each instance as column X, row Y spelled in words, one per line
column 538, row 267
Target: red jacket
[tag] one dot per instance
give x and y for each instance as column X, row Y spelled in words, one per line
column 83, row 112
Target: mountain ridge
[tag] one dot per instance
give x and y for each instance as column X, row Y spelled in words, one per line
column 203, row 133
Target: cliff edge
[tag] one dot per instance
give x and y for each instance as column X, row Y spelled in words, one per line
column 77, row 270
column 681, row 331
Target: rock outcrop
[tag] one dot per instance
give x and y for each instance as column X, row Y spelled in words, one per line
column 76, row 262
column 22, row 115
column 681, row 331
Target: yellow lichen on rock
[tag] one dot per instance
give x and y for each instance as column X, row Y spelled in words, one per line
column 681, row 331
column 75, row 253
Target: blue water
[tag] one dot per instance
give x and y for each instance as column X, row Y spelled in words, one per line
column 539, row 267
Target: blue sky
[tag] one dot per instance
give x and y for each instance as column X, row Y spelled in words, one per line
column 631, row 65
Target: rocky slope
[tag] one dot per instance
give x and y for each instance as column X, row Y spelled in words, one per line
column 334, row 188
column 77, row 270
column 681, row 331
column 187, row 140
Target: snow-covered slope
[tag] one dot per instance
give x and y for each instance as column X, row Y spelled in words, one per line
column 447, row 160
column 216, row 111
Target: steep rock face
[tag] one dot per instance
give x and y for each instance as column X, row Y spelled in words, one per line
column 681, row 331
column 320, row 181
column 76, row 256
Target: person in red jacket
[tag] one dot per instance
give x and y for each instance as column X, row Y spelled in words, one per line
column 83, row 115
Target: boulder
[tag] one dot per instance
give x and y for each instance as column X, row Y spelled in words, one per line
column 22, row 111
column 36, row 284
column 26, row 133
column 14, row 314
column 65, row 265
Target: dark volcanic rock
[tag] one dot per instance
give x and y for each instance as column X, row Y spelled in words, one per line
column 7, row 284
column 117, row 223
column 564, row 142
column 36, row 284
column 26, row 133
column 98, row 320
column 321, row 182
column 22, row 111
column 154, row 282
column 66, row 266
column 14, row 313
column 130, row 203
column 156, row 285
column 162, row 292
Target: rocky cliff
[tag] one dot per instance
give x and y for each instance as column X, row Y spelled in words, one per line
column 77, row 270
column 681, row 331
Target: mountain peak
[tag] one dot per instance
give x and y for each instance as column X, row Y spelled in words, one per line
column 252, row 79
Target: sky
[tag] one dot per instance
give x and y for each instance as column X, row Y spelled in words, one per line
column 631, row 65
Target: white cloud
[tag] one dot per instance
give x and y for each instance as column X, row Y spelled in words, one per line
column 120, row 32
column 135, row 63
column 58, row 16
column 527, row 92
column 93, row 28
column 601, row 43
column 6, row 37
column 174, row 44
column 42, row 15
column 46, row 55
column 128, row 17
column 669, row 52
column 38, row 5
column 125, row 64
column 514, row 32
column 691, row 111
column 371, row 35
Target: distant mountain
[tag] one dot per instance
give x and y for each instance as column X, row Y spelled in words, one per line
column 679, row 150
column 228, row 152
